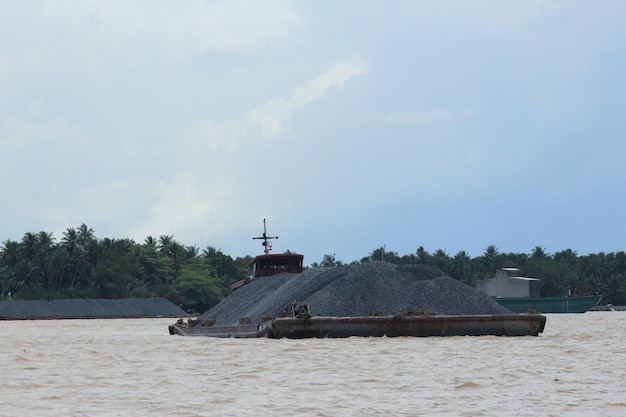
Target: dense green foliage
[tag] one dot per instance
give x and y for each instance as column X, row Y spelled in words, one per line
column 561, row 273
column 83, row 266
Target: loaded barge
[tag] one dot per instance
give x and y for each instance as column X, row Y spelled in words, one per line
column 300, row 325
column 297, row 322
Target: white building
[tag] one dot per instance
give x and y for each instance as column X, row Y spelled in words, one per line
column 508, row 283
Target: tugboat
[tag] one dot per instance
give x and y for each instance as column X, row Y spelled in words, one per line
column 270, row 264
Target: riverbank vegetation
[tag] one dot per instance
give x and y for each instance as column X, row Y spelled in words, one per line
column 81, row 265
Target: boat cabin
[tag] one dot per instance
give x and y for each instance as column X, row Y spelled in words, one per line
column 508, row 283
column 271, row 264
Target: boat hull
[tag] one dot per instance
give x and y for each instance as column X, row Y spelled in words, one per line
column 377, row 326
column 415, row 326
column 238, row 331
column 550, row 304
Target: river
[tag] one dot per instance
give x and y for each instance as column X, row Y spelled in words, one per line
column 128, row 367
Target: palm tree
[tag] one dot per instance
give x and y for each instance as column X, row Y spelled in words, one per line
column 41, row 261
column 150, row 241
column 490, row 261
column 9, row 253
column 491, row 252
column 30, row 244
column 178, row 253
column 330, row 260
column 165, row 244
column 462, row 267
column 61, row 267
column 442, row 260
column 422, row 255
column 70, row 240
column 192, row 251
column 567, row 257
column 211, row 252
column 23, row 275
column 539, row 252
column 85, row 234
column 80, row 262
column 46, row 240
column 123, row 246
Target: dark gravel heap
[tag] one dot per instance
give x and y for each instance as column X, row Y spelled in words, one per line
column 355, row 290
column 89, row 308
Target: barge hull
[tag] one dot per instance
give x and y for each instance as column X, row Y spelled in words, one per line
column 377, row 326
column 544, row 305
column 421, row 326
column 238, row 331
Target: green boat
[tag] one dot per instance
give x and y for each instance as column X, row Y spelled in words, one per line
column 521, row 294
column 543, row 305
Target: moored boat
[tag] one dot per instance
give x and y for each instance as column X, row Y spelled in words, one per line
column 194, row 328
column 522, row 294
column 573, row 304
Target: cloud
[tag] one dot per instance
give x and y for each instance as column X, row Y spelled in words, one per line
column 218, row 175
column 186, row 29
column 28, row 144
column 209, row 137
column 186, row 202
column 276, row 113
column 336, row 76
column 162, row 118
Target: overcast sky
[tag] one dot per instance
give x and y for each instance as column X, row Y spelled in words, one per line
column 349, row 125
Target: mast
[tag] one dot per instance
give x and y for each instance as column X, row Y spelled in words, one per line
column 265, row 237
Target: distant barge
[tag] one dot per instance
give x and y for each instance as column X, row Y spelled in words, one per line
column 156, row 307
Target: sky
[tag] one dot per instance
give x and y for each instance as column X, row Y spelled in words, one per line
column 349, row 126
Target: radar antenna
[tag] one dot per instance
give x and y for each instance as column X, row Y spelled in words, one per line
column 265, row 237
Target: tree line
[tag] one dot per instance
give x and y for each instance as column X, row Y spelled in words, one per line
column 81, row 265
column 562, row 273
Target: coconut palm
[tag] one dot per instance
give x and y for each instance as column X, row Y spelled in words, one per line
column 10, row 253
column 23, row 274
column 164, row 244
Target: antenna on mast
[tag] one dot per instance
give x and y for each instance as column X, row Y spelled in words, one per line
column 265, row 237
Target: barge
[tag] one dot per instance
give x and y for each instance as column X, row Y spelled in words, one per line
column 297, row 322
column 300, row 324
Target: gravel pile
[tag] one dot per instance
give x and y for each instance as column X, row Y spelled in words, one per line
column 355, row 290
column 88, row 308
